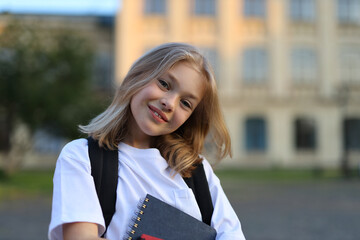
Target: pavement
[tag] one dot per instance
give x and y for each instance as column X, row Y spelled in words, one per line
column 25, row 219
column 268, row 210
column 306, row 210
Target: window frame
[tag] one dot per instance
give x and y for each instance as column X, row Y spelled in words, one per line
column 255, row 65
column 255, row 9
column 348, row 11
column 304, row 65
column 351, row 133
column 155, row 7
column 349, row 71
column 300, row 13
column 305, row 134
column 204, row 7
column 256, row 134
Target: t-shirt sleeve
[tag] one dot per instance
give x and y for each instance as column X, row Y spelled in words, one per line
column 224, row 218
column 74, row 194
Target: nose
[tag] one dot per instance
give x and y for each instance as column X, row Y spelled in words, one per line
column 168, row 103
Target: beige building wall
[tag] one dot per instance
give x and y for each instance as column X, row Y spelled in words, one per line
column 279, row 100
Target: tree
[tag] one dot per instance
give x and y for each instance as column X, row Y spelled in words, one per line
column 45, row 81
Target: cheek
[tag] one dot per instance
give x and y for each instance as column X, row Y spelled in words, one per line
column 134, row 102
column 140, row 97
column 149, row 93
column 181, row 118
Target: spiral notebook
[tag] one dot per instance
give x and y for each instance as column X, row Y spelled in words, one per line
column 163, row 221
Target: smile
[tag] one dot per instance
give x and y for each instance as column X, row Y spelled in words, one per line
column 157, row 114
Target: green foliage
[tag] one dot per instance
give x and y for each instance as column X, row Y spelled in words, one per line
column 45, row 79
column 26, row 184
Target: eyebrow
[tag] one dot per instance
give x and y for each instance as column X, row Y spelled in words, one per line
column 174, row 79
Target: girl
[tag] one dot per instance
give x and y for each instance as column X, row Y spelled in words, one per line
column 158, row 121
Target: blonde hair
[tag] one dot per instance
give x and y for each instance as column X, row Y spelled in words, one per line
column 183, row 147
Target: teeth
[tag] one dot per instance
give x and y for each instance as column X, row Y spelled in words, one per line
column 157, row 114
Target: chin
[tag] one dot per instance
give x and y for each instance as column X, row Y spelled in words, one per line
column 155, row 132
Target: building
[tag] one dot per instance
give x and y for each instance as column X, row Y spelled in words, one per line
column 288, row 71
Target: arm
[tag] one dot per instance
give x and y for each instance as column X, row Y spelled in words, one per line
column 224, row 218
column 80, row 231
column 74, row 195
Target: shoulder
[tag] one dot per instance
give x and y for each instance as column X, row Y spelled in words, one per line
column 209, row 172
column 75, row 146
column 207, row 165
column 76, row 150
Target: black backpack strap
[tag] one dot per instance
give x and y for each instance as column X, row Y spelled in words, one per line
column 199, row 185
column 104, row 169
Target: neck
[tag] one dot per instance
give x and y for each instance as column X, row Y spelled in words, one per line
column 137, row 143
column 136, row 138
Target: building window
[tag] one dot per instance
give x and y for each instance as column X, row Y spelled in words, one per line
column 352, row 134
column 255, row 134
column 350, row 64
column 303, row 65
column 305, row 134
column 255, row 65
column 255, row 8
column 205, row 7
column 155, row 6
column 349, row 11
column 302, row 10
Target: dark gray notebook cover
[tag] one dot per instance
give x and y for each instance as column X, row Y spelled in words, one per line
column 159, row 219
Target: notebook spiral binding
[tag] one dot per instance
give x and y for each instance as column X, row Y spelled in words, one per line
column 135, row 221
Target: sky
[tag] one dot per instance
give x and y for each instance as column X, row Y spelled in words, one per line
column 62, row 7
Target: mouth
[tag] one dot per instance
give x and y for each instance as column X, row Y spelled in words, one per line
column 158, row 114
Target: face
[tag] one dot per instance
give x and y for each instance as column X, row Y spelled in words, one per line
column 165, row 103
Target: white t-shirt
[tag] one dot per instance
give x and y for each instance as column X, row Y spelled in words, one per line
column 141, row 171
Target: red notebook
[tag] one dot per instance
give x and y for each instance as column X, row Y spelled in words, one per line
column 159, row 220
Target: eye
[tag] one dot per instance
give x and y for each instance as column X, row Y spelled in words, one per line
column 163, row 84
column 186, row 103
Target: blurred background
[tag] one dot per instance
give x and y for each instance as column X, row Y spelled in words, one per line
column 288, row 73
